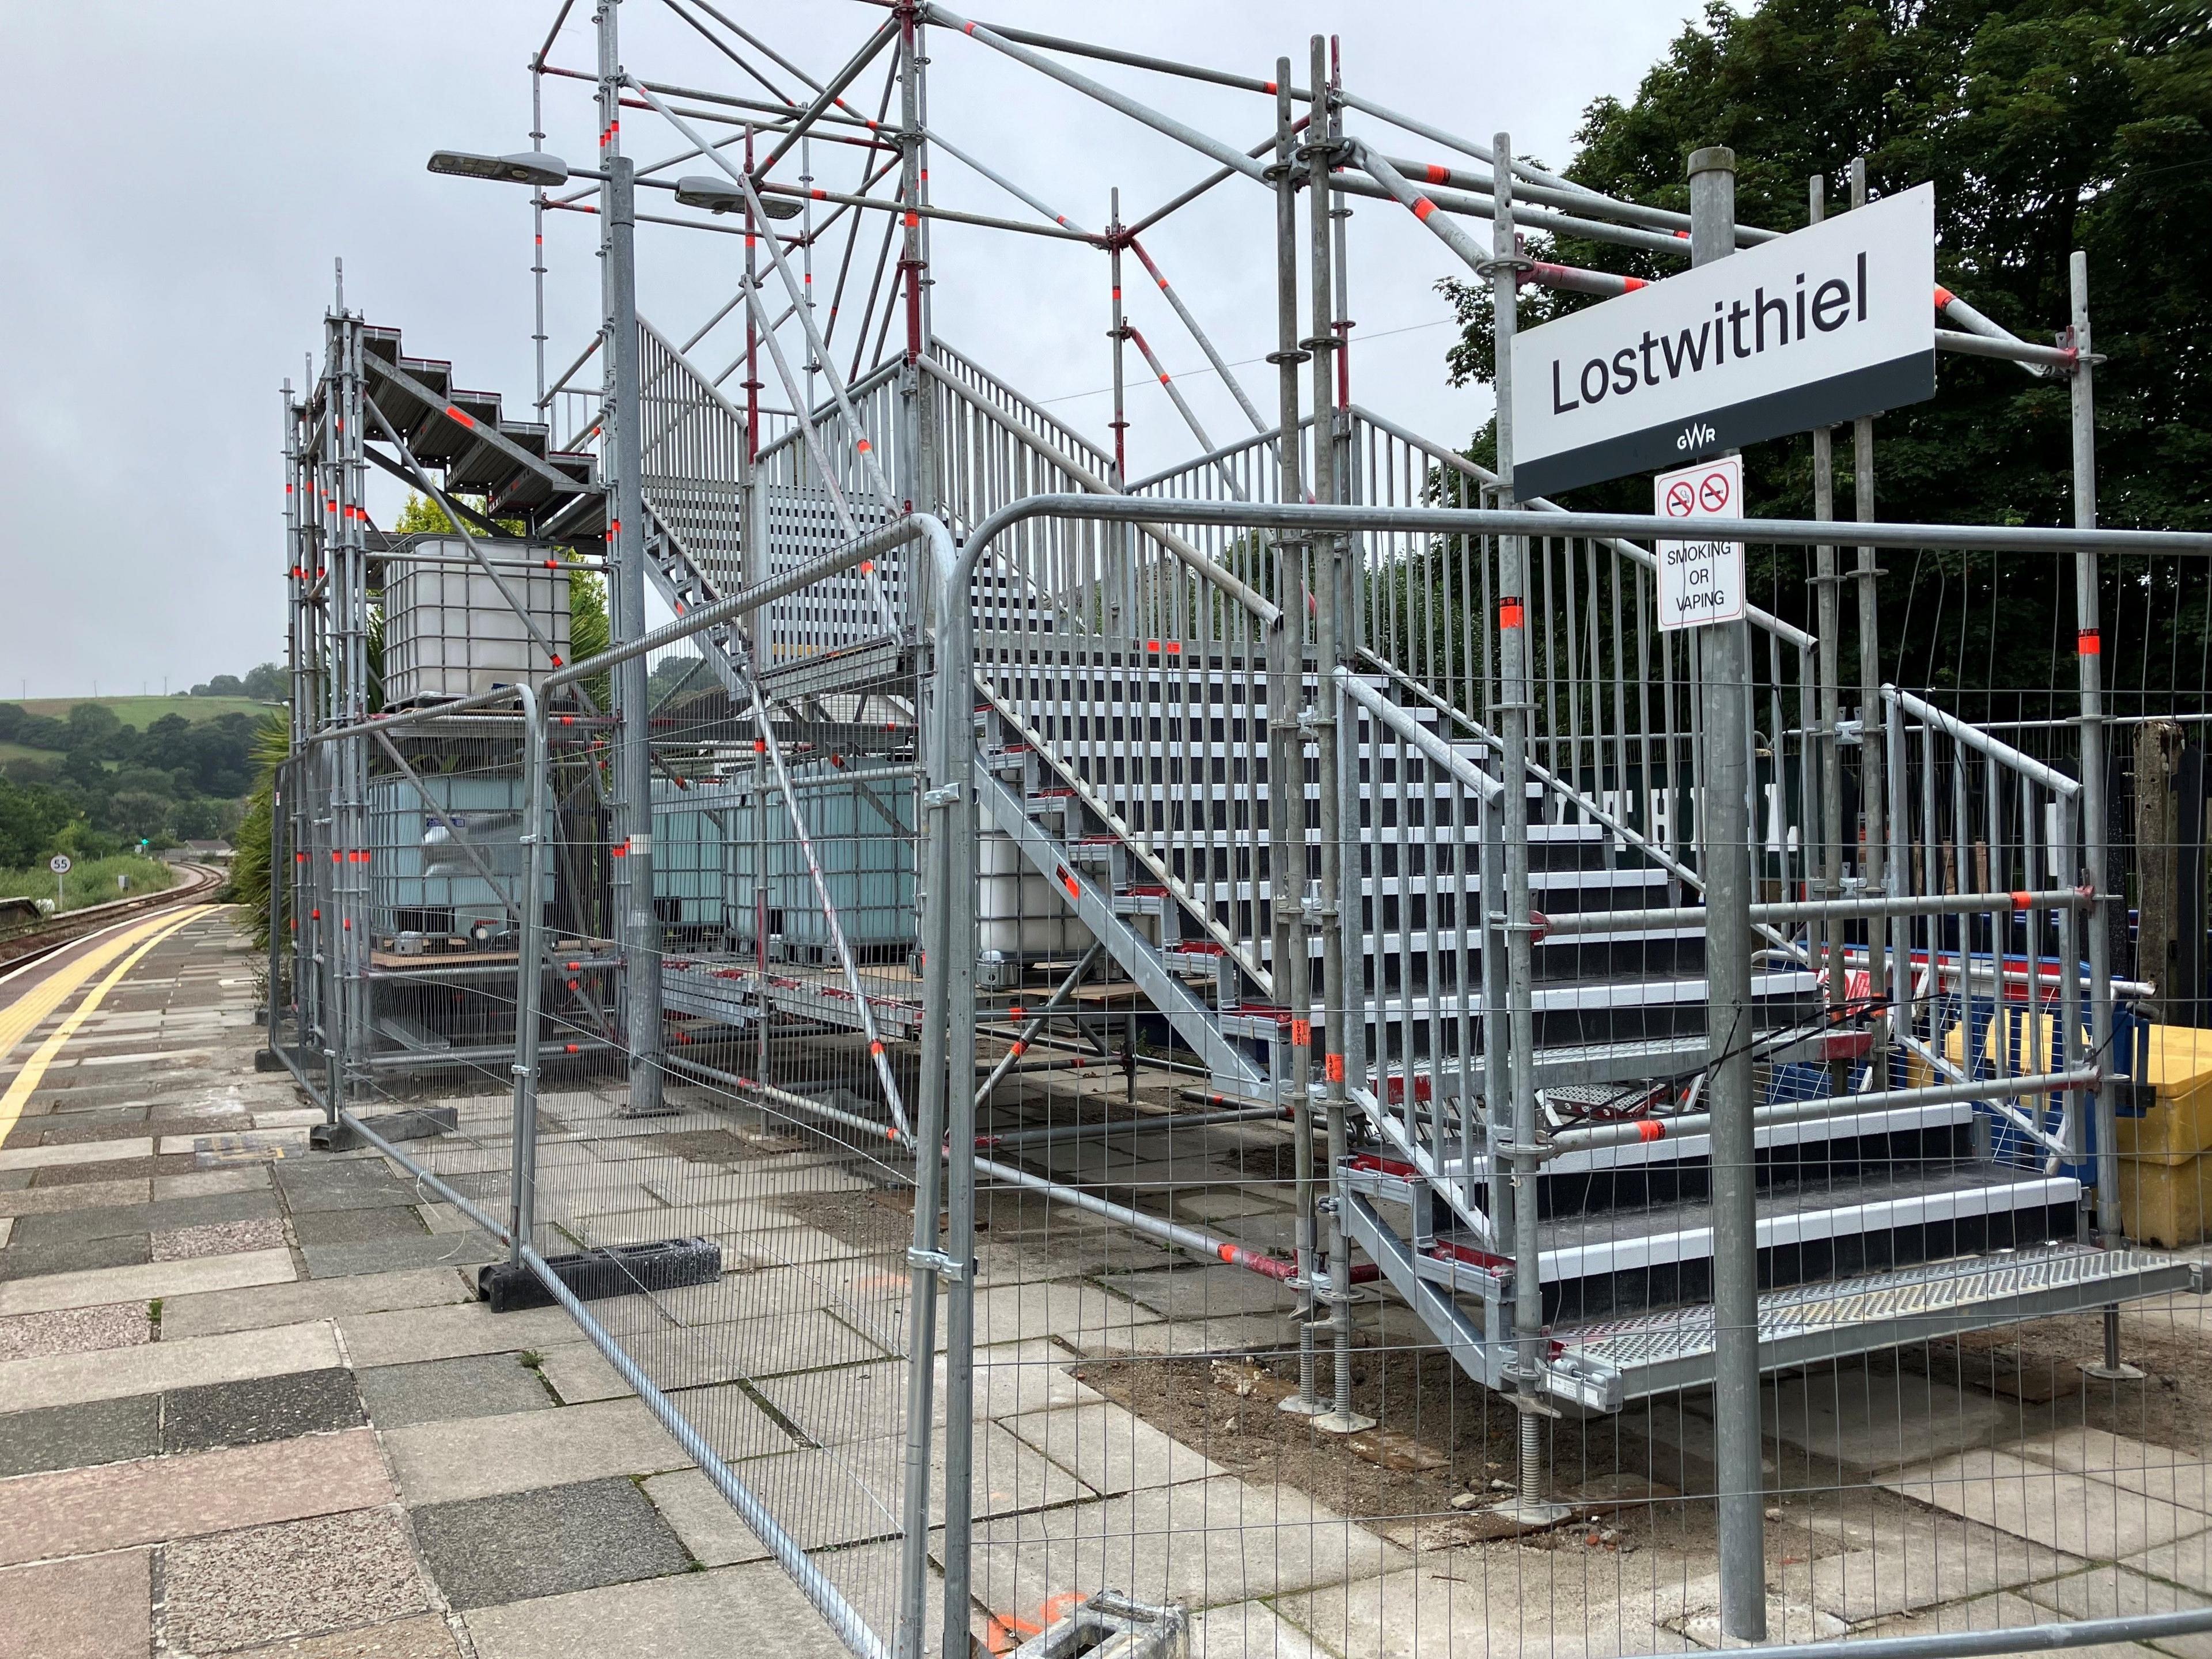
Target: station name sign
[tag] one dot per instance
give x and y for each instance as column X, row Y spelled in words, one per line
column 1813, row 329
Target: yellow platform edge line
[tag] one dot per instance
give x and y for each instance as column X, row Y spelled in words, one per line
column 27, row 1080
column 26, row 1014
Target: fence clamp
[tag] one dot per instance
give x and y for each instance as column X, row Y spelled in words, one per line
column 938, row 799
column 938, row 1262
column 1851, row 734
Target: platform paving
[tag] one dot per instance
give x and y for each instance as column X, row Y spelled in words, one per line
column 249, row 1406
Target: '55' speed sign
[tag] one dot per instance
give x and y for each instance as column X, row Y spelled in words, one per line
column 1701, row 581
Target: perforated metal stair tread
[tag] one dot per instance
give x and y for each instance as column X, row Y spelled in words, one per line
column 1657, row 1351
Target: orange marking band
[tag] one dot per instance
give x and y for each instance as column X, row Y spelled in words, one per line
column 1333, row 1068
column 1511, row 614
column 2089, row 642
column 1302, row 1033
column 1650, row 1131
column 1423, row 207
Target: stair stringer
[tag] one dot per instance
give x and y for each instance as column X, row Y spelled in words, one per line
column 1135, row 955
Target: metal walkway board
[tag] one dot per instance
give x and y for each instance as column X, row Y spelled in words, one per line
column 1658, row 1353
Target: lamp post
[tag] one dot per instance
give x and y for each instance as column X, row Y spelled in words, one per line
column 636, row 922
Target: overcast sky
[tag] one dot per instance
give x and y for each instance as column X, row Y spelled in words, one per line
column 187, row 175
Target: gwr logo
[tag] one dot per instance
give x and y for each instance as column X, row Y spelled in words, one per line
column 1696, row 435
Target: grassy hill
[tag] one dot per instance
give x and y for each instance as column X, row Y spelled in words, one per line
column 139, row 713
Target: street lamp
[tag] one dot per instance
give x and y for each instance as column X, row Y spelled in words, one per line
column 528, row 167
column 704, row 190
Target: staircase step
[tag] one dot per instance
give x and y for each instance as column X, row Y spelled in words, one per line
column 1620, row 1262
column 1659, row 1352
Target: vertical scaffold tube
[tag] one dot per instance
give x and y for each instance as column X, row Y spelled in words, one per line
column 1723, row 811
column 1286, row 767
column 1337, row 750
column 639, row 927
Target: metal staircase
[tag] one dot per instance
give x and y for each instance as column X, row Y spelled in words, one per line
column 1124, row 689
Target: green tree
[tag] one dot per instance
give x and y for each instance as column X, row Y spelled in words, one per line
column 2046, row 126
column 32, row 818
column 266, row 683
column 249, row 867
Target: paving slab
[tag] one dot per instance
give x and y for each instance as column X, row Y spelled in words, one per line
column 74, row 1330
column 23, row 1261
column 261, row 1408
column 80, row 1512
column 2160, row 1472
column 386, row 1255
column 202, row 1183
column 1197, row 1292
column 707, row 1349
column 1202, row 1543
column 449, row 1462
column 855, row 1492
column 159, row 1215
column 1897, row 1562
column 97, row 1606
column 519, row 1546
column 1109, row 1449
column 702, row 1518
column 579, row 1372
column 2003, row 1611
column 832, row 1407
column 211, row 1312
column 1251, row 1629
column 1502, row 1603
column 2119, row 1592
column 105, row 1151
column 2186, row 1561
column 355, row 1226
column 79, row 1173
column 140, row 1283
column 261, row 1584
column 693, row 1615
column 78, row 1435
column 2066, row 1511
column 53, row 1201
column 279, row 1142
column 290, row 1117
column 408, row 1335
column 218, row 1238
column 381, row 1190
column 424, row 1636
column 1852, row 1420
column 26, row 1384
column 450, row 1390
column 1072, row 1311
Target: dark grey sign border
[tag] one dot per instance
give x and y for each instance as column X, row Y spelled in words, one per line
column 1840, row 397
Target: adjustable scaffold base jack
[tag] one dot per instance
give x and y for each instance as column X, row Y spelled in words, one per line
column 1528, row 1508
column 2112, row 1368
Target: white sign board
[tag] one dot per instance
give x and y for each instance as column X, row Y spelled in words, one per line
column 1813, row 329
column 1701, row 581
column 59, row 864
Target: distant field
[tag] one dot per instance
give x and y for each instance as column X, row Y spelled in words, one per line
column 139, row 713
column 91, row 881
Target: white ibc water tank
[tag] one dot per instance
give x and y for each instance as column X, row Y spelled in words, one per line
column 448, row 632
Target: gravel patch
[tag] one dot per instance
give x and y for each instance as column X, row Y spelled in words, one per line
column 218, row 1238
column 74, row 1330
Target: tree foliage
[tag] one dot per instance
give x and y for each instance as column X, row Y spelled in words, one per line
column 2044, row 126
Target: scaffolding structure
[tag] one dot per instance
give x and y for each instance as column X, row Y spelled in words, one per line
column 1635, row 1013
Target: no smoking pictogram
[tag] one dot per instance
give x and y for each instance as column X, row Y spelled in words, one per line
column 1701, row 579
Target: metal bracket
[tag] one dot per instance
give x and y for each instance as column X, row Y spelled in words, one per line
column 938, row 799
column 938, row 1262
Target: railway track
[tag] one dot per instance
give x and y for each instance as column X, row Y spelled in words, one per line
column 194, row 882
